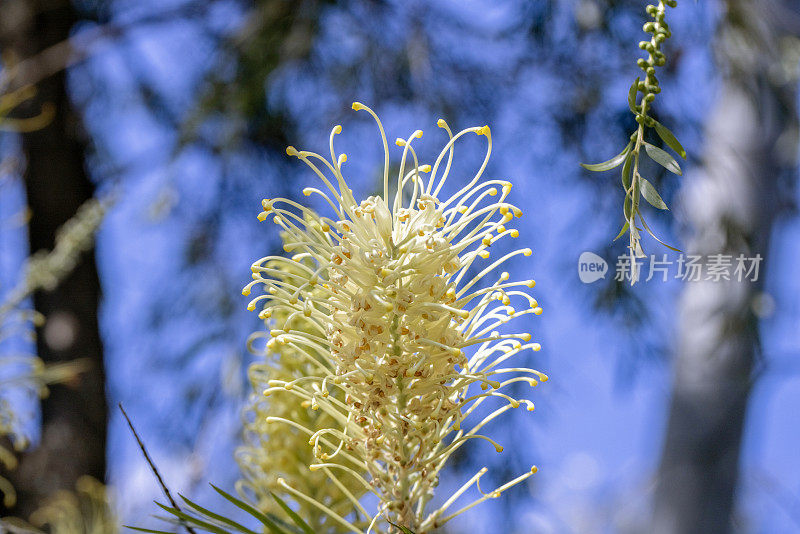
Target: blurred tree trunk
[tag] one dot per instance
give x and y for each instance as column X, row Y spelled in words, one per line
column 74, row 416
column 731, row 205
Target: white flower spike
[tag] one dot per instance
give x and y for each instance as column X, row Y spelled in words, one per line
column 399, row 324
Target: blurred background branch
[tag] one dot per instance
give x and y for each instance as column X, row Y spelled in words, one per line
column 56, row 183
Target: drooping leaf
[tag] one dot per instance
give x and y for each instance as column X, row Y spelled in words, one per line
column 654, row 236
column 627, row 207
column 632, row 96
column 670, row 139
column 662, row 158
column 622, row 232
column 610, row 164
column 651, row 195
column 635, row 192
column 291, row 513
column 626, row 172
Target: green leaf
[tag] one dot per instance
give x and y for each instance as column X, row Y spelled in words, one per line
column 632, row 96
column 622, row 232
column 610, row 164
column 405, row 530
column 291, row 513
column 627, row 206
column 651, row 195
column 654, row 236
column 626, row 172
column 662, row 158
column 670, row 140
column 217, row 517
column 269, row 523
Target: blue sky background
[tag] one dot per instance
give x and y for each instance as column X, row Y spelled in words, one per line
column 174, row 329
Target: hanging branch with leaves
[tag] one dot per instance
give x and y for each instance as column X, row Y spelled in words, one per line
column 640, row 99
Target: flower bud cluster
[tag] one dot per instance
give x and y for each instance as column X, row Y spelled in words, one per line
column 659, row 29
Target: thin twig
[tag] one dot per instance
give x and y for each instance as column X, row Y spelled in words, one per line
column 75, row 49
column 153, row 467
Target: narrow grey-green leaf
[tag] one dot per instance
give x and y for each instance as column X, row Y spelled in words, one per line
column 626, row 172
column 651, row 195
column 291, row 513
column 622, row 232
column 626, row 206
column 662, row 158
column 610, row 164
column 632, row 96
column 670, row 139
column 654, row 236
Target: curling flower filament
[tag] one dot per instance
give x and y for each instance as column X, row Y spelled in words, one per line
column 404, row 320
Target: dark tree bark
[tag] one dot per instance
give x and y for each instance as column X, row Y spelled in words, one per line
column 731, row 205
column 74, row 415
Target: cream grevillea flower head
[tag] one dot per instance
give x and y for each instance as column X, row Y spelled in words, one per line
column 405, row 324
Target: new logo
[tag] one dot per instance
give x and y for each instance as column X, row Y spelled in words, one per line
column 591, row 267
